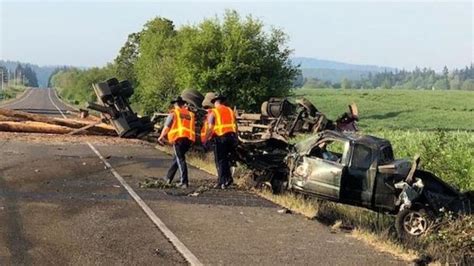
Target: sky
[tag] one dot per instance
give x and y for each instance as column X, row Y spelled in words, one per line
column 398, row 34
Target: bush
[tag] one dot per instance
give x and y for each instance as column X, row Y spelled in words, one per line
column 451, row 239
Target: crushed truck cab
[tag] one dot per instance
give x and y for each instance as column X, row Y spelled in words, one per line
column 344, row 168
column 358, row 170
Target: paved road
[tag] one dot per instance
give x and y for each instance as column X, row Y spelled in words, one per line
column 61, row 204
column 41, row 101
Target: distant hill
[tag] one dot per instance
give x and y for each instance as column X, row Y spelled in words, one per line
column 42, row 72
column 326, row 70
column 335, row 71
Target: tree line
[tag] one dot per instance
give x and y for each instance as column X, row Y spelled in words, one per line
column 23, row 74
column 457, row 79
column 232, row 55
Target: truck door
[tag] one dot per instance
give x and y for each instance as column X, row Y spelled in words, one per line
column 320, row 171
column 357, row 185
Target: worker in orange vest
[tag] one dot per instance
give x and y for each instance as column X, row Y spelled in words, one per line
column 179, row 129
column 222, row 128
column 208, row 105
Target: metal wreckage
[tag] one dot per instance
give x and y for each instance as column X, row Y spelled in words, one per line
column 333, row 162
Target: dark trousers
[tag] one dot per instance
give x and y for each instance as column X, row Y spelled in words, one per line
column 179, row 160
column 224, row 147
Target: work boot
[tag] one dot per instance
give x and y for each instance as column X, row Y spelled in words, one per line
column 229, row 183
column 182, row 185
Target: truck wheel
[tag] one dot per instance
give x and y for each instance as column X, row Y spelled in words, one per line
column 412, row 223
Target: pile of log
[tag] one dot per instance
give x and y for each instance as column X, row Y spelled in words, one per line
column 17, row 121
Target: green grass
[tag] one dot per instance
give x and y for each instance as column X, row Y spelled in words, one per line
column 10, row 92
column 401, row 109
column 450, row 155
column 438, row 125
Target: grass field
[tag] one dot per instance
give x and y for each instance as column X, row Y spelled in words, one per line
column 438, row 125
column 401, row 109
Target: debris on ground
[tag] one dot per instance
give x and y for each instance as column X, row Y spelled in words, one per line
column 201, row 189
column 284, row 211
column 155, row 183
column 339, row 226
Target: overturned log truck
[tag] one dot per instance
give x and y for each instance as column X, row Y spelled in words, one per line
column 358, row 170
column 279, row 117
column 113, row 103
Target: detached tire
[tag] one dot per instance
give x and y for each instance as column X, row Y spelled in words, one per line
column 412, row 223
column 193, row 97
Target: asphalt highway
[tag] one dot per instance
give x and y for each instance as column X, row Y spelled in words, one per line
column 80, row 203
column 40, row 101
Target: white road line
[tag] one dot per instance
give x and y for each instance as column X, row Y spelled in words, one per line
column 61, row 112
column 187, row 254
column 19, row 101
column 62, row 101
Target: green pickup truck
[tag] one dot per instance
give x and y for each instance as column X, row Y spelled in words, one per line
column 358, row 170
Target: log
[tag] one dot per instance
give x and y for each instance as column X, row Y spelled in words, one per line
column 247, row 116
column 245, row 129
column 82, row 129
column 260, row 126
column 71, row 123
column 33, row 127
column 10, row 119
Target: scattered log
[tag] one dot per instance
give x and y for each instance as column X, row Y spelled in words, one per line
column 82, row 129
column 10, row 119
column 33, row 127
column 100, row 129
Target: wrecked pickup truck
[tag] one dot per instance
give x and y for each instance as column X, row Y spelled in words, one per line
column 358, row 170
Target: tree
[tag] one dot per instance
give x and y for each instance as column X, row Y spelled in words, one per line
column 4, row 74
column 155, row 67
column 299, row 81
column 26, row 75
column 441, row 84
column 127, row 58
column 445, row 76
column 468, row 85
column 235, row 57
column 345, row 84
column 30, row 76
column 455, row 83
column 76, row 85
column 386, row 84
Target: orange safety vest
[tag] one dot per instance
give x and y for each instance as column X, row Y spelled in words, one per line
column 224, row 120
column 205, row 126
column 183, row 125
